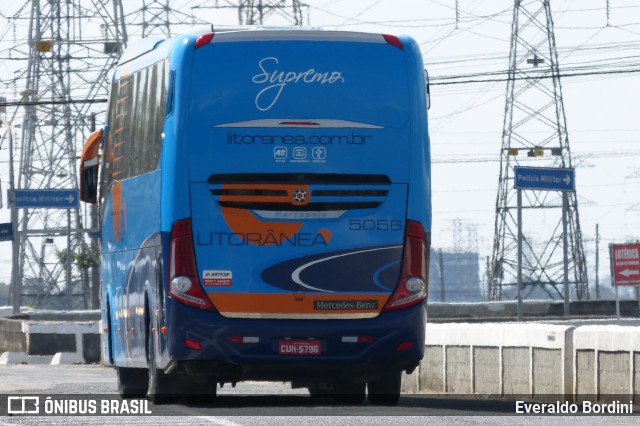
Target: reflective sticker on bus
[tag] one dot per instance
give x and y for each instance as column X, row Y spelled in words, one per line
column 217, row 278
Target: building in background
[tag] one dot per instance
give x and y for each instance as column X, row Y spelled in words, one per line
column 454, row 276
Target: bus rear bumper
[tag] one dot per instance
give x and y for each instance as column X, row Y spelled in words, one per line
column 297, row 373
column 237, row 349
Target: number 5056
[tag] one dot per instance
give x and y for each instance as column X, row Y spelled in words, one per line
column 375, row 225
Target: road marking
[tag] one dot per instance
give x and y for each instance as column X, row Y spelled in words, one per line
column 210, row 419
column 218, row 421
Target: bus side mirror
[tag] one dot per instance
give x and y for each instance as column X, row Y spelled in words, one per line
column 89, row 168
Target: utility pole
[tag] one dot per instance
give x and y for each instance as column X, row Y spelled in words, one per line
column 441, row 267
column 535, row 135
column 15, row 289
column 597, row 261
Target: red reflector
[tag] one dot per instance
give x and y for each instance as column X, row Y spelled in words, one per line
column 393, row 40
column 404, row 346
column 193, row 344
column 235, row 339
column 299, row 123
column 204, row 39
column 365, row 339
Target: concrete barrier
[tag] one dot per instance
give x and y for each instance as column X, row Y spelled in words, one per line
column 496, row 359
column 50, row 337
column 607, row 361
column 573, row 361
column 12, row 338
column 530, row 361
column 537, row 309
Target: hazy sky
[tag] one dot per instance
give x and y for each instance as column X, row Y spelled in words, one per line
column 466, row 120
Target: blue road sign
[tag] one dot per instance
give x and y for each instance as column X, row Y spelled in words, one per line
column 545, row 178
column 6, row 232
column 46, row 198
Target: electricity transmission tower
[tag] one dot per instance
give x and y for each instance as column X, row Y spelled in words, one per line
column 254, row 12
column 73, row 46
column 535, row 134
column 156, row 18
column 161, row 18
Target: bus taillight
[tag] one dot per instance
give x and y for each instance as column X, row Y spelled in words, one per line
column 184, row 285
column 393, row 40
column 204, row 39
column 412, row 288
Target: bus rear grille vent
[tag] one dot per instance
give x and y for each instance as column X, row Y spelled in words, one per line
column 299, row 192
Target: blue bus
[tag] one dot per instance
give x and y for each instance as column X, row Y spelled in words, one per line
column 265, row 212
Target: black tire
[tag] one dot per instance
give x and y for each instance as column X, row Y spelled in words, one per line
column 109, row 354
column 386, row 390
column 132, row 382
column 200, row 391
column 159, row 389
column 349, row 393
column 317, row 392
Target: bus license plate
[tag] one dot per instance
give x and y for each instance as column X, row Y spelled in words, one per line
column 299, row 347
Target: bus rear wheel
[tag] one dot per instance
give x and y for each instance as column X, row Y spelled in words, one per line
column 159, row 389
column 386, row 390
column 200, row 390
column 349, row 393
column 131, row 382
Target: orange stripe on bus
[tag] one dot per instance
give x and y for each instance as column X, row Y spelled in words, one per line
column 289, row 189
column 243, row 221
column 116, row 194
column 265, row 303
column 260, row 186
column 256, row 198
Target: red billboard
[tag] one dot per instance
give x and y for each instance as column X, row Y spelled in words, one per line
column 625, row 263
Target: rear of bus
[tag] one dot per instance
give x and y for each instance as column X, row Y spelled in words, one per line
column 300, row 217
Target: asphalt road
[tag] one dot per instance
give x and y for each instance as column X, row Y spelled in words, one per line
column 250, row 403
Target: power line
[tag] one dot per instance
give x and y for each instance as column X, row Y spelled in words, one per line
column 54, row 102
column 539, row 77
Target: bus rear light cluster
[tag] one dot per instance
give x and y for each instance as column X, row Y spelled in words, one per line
column 183, row 275
column 394, row 41
column 204, row 39
column 412, row 288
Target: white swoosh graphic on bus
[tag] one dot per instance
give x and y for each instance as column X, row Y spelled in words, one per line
column 295, row 276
